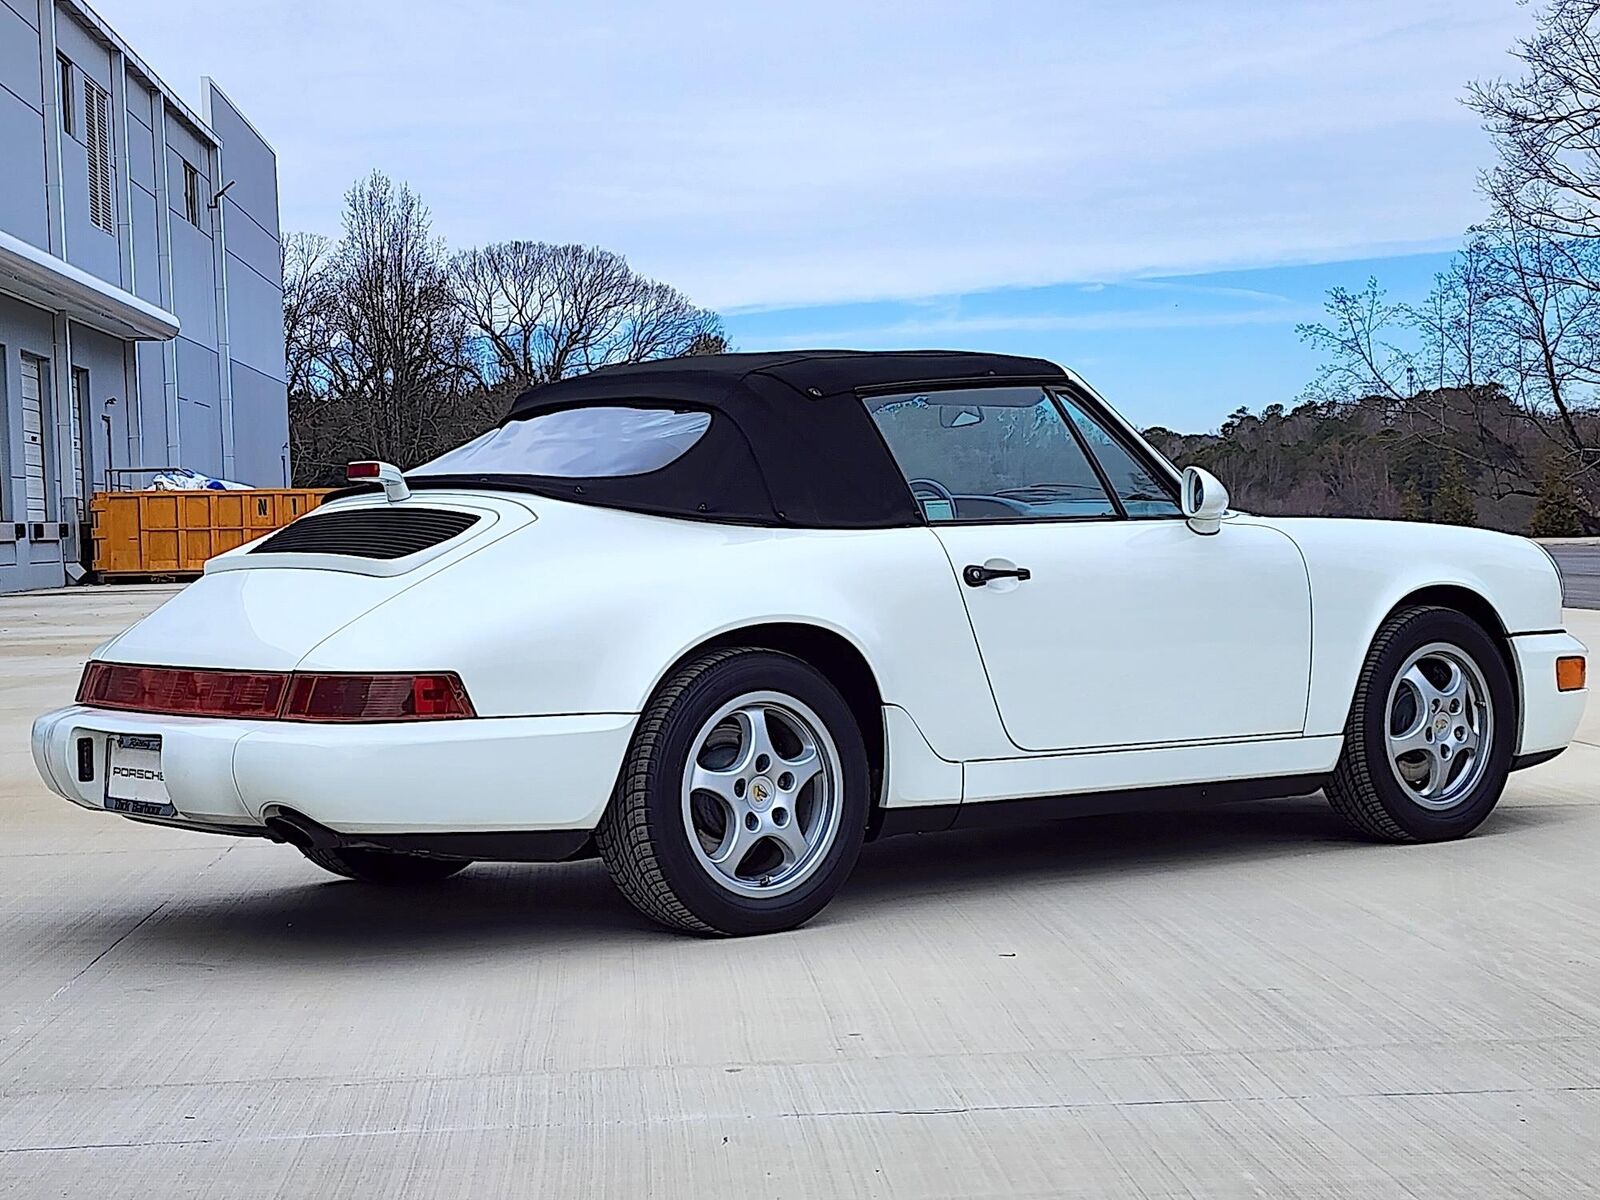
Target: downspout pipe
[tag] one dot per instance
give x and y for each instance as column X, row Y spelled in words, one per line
column 133, row 413
column 219, row 270
column 169, row 349
column 61, row 400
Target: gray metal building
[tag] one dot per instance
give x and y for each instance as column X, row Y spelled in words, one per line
column 141, row 315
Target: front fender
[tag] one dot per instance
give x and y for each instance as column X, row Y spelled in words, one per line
column 1361, row 571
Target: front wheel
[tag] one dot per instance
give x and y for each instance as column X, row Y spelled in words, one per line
column 743, row 801
column 1428, row 744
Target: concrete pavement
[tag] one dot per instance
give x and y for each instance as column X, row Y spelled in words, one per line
column 1235, row 1002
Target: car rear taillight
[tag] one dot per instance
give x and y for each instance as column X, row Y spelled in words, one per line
column 377, row 698
column 184, row 692
column 268, row 696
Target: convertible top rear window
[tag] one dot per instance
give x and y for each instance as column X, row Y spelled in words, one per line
column 578, row 443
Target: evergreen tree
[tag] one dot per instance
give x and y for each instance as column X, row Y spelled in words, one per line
column 1453, row 503
column 1555, row 508
column 1411, row 506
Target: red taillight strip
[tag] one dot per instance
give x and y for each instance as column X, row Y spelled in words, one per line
column 275, row 695
column 180, row 691
column 439, row 696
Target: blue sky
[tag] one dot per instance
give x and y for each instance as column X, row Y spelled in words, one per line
column 1181, row 351
column 1155, row 192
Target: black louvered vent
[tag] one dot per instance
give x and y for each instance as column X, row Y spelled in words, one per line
column 383, row 533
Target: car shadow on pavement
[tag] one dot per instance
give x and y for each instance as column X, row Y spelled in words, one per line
column 1082, row 850
column 546, row 908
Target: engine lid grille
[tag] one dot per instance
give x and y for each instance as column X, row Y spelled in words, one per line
column 377, row 533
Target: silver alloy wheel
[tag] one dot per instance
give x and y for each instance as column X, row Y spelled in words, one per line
column 761, row 794
column 1439, row 725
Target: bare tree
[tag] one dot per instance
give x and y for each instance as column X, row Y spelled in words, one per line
column 396, row 378
column 1545, row 321
column 307, row 311
column 1361, row 358
column 1546, row 124
column 544, row 312
column 1454, row 321
column 396, row 350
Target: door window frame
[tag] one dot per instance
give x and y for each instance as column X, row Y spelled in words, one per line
column 1118, row 435
column 1051, row 387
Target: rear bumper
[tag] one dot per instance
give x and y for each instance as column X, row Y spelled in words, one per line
column 1549, row 717
column 513, row 774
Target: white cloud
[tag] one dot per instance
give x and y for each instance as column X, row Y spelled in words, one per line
column 955, row 329
column 767, row 154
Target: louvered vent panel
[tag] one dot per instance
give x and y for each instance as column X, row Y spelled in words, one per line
column 97, row 133
column 381, row 533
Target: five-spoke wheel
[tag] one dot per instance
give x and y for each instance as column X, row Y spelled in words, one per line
column 743, row 801
column 1440, row 721
column 760, row 793
column 1429, row 740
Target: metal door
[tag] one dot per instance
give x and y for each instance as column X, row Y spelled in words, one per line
column 34, row 432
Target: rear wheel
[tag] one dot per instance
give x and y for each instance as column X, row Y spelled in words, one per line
column 742, row 804
column 1430, row 736
column 384, row 866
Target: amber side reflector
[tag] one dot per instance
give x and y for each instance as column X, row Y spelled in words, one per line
column 1571, row 672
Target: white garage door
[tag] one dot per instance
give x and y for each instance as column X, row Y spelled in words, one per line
column 80, row 405
column 33, row 438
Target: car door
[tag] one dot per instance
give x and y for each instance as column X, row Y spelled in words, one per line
column 1102, row 618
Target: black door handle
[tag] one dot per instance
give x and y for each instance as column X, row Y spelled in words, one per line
column 975, row 576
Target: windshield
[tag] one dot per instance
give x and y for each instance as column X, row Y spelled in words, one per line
column 580, row 443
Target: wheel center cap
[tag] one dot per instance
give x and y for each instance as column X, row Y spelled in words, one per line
column 1441, row 724
column 761, row 791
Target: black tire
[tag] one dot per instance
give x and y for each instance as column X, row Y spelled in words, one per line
column 384, row 866
column 1363, row 789
column 642, row 837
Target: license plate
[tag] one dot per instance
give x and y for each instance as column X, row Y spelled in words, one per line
column 134, row 783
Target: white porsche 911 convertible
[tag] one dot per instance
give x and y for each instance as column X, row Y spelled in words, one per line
column 720, row 620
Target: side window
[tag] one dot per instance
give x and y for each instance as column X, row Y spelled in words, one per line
column 989, row 454
column 1141, row 492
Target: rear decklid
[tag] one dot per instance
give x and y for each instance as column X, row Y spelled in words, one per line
column 265, row 604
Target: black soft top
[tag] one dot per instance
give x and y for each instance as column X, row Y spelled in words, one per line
column 790, row 442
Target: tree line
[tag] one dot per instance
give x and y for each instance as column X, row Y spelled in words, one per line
column 1477, row 405
column 398, row 349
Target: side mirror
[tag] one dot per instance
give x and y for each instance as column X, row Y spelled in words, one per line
column 1204, row 500
column 953, row 416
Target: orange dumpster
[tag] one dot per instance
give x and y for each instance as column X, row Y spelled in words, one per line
column 173, row 533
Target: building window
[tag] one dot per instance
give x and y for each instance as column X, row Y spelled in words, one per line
column 97, row 136
column 191, row 194
column 69, row 120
